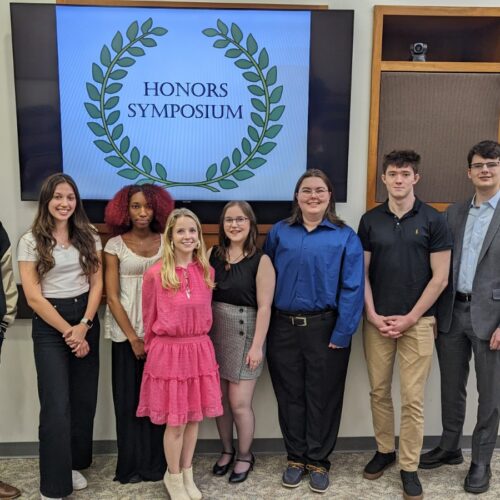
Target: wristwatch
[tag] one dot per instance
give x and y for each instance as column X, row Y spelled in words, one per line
column 88, row 322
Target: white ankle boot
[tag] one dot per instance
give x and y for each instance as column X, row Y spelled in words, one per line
column 191, row 488
column 79, row 481
column 175, row 486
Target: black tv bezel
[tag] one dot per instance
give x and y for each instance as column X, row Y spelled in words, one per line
column 335, row 66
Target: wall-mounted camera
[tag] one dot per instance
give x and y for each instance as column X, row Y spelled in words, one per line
column 418, row 51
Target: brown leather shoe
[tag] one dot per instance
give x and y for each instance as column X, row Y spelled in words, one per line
column 8, row 492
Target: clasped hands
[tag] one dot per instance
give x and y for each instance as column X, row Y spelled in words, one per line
column 75, row 339
column 392, row 327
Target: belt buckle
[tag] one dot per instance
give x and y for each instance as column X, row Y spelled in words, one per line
column 299, row 321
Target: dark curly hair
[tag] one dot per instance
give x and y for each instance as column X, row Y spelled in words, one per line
column 401, row 158
column 117, row 215
column 490, row 150
column 81, row 233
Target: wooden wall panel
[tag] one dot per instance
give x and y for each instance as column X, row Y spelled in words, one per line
column 439, row 115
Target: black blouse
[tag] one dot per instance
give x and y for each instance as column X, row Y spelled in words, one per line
column 236, row 286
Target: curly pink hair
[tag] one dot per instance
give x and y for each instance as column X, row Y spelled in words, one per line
column 116, row 215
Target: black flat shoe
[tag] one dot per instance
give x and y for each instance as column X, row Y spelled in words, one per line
column 221, row 470
column 239, row 477
column 438, row 457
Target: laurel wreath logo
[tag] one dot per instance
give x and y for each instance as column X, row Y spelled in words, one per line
column 135, row 166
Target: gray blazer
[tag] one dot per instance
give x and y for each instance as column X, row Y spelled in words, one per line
column 485, row 302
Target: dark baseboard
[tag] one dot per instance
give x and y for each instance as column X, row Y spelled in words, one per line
column 260, row 445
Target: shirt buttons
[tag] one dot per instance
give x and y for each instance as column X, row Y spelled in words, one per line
column 241, row 322
column 242, row 332
column 241, row 309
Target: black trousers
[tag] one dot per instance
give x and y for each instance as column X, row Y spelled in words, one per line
column 308, row 379
column 67, row 388
column 140, row 442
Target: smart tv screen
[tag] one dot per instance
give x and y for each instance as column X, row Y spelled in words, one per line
column 213, row 105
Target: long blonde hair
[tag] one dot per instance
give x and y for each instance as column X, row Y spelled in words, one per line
column 169, row 277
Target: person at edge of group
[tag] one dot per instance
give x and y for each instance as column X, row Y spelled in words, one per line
column 407, row 247
column 180, row 385
column 136, row 216
column 241, row 307
column 318, row 304
column 61, row 274
column 8, row 307
column 468, row 317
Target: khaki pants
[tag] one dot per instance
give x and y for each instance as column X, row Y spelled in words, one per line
column 414, row 351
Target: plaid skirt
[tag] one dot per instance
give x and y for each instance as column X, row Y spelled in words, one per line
column 232, row 334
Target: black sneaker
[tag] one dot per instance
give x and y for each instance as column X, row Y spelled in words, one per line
column 412, row 489
column 293, row 474
column 318, row 478
column 377, row 465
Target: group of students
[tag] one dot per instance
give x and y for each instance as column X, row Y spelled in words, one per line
column 190, row 326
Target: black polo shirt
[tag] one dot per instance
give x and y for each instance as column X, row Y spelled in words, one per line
column 400, row 254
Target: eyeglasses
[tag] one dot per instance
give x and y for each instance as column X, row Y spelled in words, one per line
column 239, row 220
column 479, row 166
column 309, row 191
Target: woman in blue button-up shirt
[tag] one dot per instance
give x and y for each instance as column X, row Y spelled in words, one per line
column 318, row 301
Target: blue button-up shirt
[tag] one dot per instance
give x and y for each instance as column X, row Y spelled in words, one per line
column 477, row 224
column 318, row 270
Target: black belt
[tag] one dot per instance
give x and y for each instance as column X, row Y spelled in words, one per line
column 301, row 318
column 463, row 297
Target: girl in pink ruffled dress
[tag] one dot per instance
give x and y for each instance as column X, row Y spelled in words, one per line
column 180, row 385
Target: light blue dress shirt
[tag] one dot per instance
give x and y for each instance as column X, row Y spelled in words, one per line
column 477, row 224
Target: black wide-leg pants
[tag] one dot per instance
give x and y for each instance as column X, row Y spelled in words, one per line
column 140, row 442
column 308, row 379
column 67, row 388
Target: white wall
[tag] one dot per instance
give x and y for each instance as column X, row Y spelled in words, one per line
column 18, row 394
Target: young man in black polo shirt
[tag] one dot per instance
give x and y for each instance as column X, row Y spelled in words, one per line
column 407, row 258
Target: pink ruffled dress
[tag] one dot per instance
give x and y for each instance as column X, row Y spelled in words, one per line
column 181, row 376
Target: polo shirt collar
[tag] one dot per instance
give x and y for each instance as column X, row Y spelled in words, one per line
column 414, row 210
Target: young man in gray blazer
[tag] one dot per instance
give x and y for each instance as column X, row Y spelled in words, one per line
column 469, row 321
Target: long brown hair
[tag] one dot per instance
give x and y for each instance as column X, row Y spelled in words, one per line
column 250, row 245
column 80, row 232
column 296, row 216
column 169, row 277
